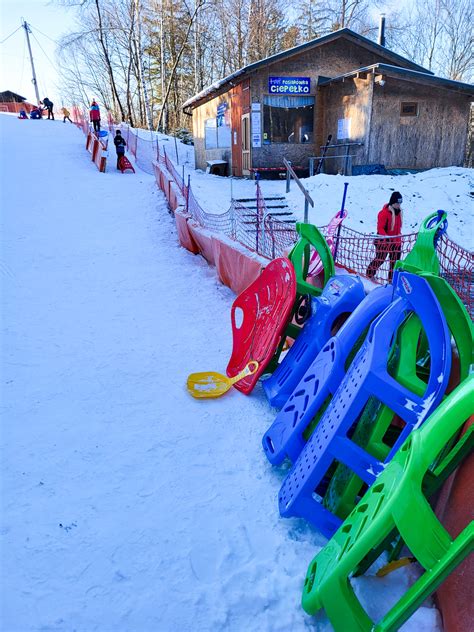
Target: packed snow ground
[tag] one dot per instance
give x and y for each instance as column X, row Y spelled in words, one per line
column 450, row 189
column 126, row 505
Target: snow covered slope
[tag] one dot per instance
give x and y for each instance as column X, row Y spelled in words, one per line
column 126, row 505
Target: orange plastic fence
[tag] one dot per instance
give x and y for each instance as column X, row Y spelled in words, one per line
column 455, row 510
column 271, row 238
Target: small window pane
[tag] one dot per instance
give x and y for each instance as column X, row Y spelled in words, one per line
column 288, row 119
column 210, row 133
column 409, row 108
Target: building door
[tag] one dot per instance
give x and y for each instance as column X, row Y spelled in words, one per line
column 246, row 160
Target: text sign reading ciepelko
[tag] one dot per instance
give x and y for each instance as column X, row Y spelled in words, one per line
column 289, row 85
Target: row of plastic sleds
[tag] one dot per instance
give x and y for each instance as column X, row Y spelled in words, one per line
column 331, row 442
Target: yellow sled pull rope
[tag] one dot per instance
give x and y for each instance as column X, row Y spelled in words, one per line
column 210, row 384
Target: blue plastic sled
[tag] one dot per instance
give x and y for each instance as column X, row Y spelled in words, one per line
column 341, row 295
column 285, row 437
column 301, row 492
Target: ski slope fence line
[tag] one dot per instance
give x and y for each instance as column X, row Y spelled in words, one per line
column 269, row 237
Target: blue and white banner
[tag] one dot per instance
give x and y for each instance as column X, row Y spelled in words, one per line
column 289, row 85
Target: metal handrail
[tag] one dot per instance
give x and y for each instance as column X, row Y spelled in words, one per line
column 307, row 198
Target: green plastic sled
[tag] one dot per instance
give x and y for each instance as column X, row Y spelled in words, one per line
column 397, row 504
column 311, row 239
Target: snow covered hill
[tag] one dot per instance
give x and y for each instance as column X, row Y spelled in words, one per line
column 126, row 505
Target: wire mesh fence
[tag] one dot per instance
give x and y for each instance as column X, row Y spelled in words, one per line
column 457, row 267
column 270, row 237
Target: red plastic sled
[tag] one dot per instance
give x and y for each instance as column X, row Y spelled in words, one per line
column 124, row 163
column 259, row 316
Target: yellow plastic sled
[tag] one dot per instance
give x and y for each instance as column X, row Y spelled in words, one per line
column 210, row 384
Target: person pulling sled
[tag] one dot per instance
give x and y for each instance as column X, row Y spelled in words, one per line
column 120, row 144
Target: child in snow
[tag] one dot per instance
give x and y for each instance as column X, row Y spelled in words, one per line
column 48, row 105
column 66, row 114
column 120, row 144
column 36, row 113
column 94, row 116
column 22, row 115
column 389, row 223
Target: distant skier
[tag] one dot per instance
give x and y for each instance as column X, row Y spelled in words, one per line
column 48, row 105
column 94, row 116
column 66, row 114
column 389, row 224
column 120, row 144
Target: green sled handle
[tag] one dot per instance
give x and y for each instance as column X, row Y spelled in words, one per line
column 300, row 257
column 423, row 257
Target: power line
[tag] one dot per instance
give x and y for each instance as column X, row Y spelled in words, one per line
column 3, row 41
column 43, row 51
column 50, row 38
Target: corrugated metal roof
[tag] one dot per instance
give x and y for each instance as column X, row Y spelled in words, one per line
column 293, row 51
column 449, row 84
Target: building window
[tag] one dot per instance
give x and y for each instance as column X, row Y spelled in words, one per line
column 210, row 133
column 288, row 119
column 409, row 108
column 217, row 132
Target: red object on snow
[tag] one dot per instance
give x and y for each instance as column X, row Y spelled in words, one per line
column 259, row 316
column 455, row 509
column 124, row 163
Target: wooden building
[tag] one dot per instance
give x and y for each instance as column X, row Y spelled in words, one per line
column 392, row 111
column 13, row 102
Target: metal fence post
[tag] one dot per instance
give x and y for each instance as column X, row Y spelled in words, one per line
column 346, row 160
column 346, row 184
column 187, row 193
column 176, row 149
column 233, row 232
column 306, row 209
column 311, row 167
column 288, row 178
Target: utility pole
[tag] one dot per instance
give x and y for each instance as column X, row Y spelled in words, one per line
column 140, row 67
column 27, row 28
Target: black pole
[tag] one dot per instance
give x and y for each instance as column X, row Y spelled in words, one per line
column 323, row 155
column 346, row 184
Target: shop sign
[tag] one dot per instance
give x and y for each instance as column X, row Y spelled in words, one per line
column 289, row 85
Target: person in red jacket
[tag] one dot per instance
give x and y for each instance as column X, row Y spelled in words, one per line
column 389, row 224
column 94, row 115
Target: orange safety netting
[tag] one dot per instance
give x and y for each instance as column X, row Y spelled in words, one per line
column 258, row 231
column 355, row 251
